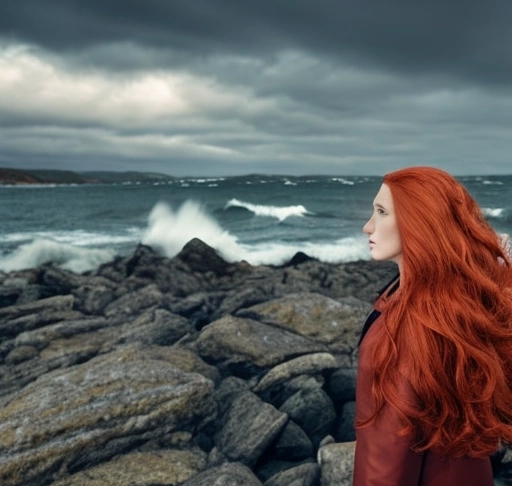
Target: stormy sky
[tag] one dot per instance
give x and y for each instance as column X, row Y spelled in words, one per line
column 225, row 87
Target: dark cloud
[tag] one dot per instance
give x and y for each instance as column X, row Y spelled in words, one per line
column 466, row 39
column 217, row 87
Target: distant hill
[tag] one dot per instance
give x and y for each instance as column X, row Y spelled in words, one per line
column 17, row 176
column 118, row 177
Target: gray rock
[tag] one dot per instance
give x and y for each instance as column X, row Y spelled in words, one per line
column 164, row 467
column 132, row 303
column 93, row 297
column 44, row 311
column 341, row 385
column 335, row 323
column 313, row 411
column 202, row 258
column 239, row 345
column 303, row 365
column 80, row 405
column 293, row 444
column 337, row 464
column 277, row 395
column 303, row 475
column 74, row 418
column 11, row 289
column 346, row 431
column 230, row 474
column 248, row 428
column 155, row 326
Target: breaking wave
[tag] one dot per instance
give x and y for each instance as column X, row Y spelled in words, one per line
column 40, row 251
column 281, row 213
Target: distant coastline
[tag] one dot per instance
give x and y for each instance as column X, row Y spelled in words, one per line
column 17, row 177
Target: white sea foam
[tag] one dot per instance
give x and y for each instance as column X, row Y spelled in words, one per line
column 78, row 238
column 277, row 253
column 492, row 183
column 169, row 230
column 493, row 212
column 343, row 181
column 280, row 213
column 210, row 179
column 41, row 251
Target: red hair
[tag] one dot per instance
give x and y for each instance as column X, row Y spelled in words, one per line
column 450, row 322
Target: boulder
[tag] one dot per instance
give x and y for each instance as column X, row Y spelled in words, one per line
column 156, row 468
column 335, row 323
column 74, row 418
column 313, row 411
column 248, row 428
column 242, row 346
column 314, row 364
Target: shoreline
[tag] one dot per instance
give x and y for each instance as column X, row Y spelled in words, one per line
column 189, row 370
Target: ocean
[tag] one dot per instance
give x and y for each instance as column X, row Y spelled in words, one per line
column 260, row 219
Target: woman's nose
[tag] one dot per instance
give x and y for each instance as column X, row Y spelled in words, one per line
column 368, row 227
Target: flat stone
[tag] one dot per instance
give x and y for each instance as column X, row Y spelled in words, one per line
column 158, row 468
column 303, row 365
column 91, row 412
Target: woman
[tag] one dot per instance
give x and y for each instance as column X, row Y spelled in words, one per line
column 434, row 386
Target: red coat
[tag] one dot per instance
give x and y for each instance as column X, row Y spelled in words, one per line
column 383, row 458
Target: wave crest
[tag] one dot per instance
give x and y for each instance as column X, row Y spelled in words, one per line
column 169, row 230
column 493, row 212
column 281, row 213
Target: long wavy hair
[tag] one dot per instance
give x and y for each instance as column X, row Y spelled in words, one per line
column 450, row 321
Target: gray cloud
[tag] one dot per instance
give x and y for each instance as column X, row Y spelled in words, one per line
column 227, row 87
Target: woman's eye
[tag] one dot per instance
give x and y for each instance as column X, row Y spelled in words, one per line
column 381, row 211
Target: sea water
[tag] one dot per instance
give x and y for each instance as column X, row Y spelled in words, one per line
column 256, row 218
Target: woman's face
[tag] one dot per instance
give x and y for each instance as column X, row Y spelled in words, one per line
column 382, row 228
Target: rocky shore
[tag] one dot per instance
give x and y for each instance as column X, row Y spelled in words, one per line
column 186, row 371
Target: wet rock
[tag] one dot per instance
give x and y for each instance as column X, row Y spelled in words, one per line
column 202, row 258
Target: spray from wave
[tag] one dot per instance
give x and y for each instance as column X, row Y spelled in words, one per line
column 281, row 213
column 277, row 253
column 70, row 257
column 168, row 230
